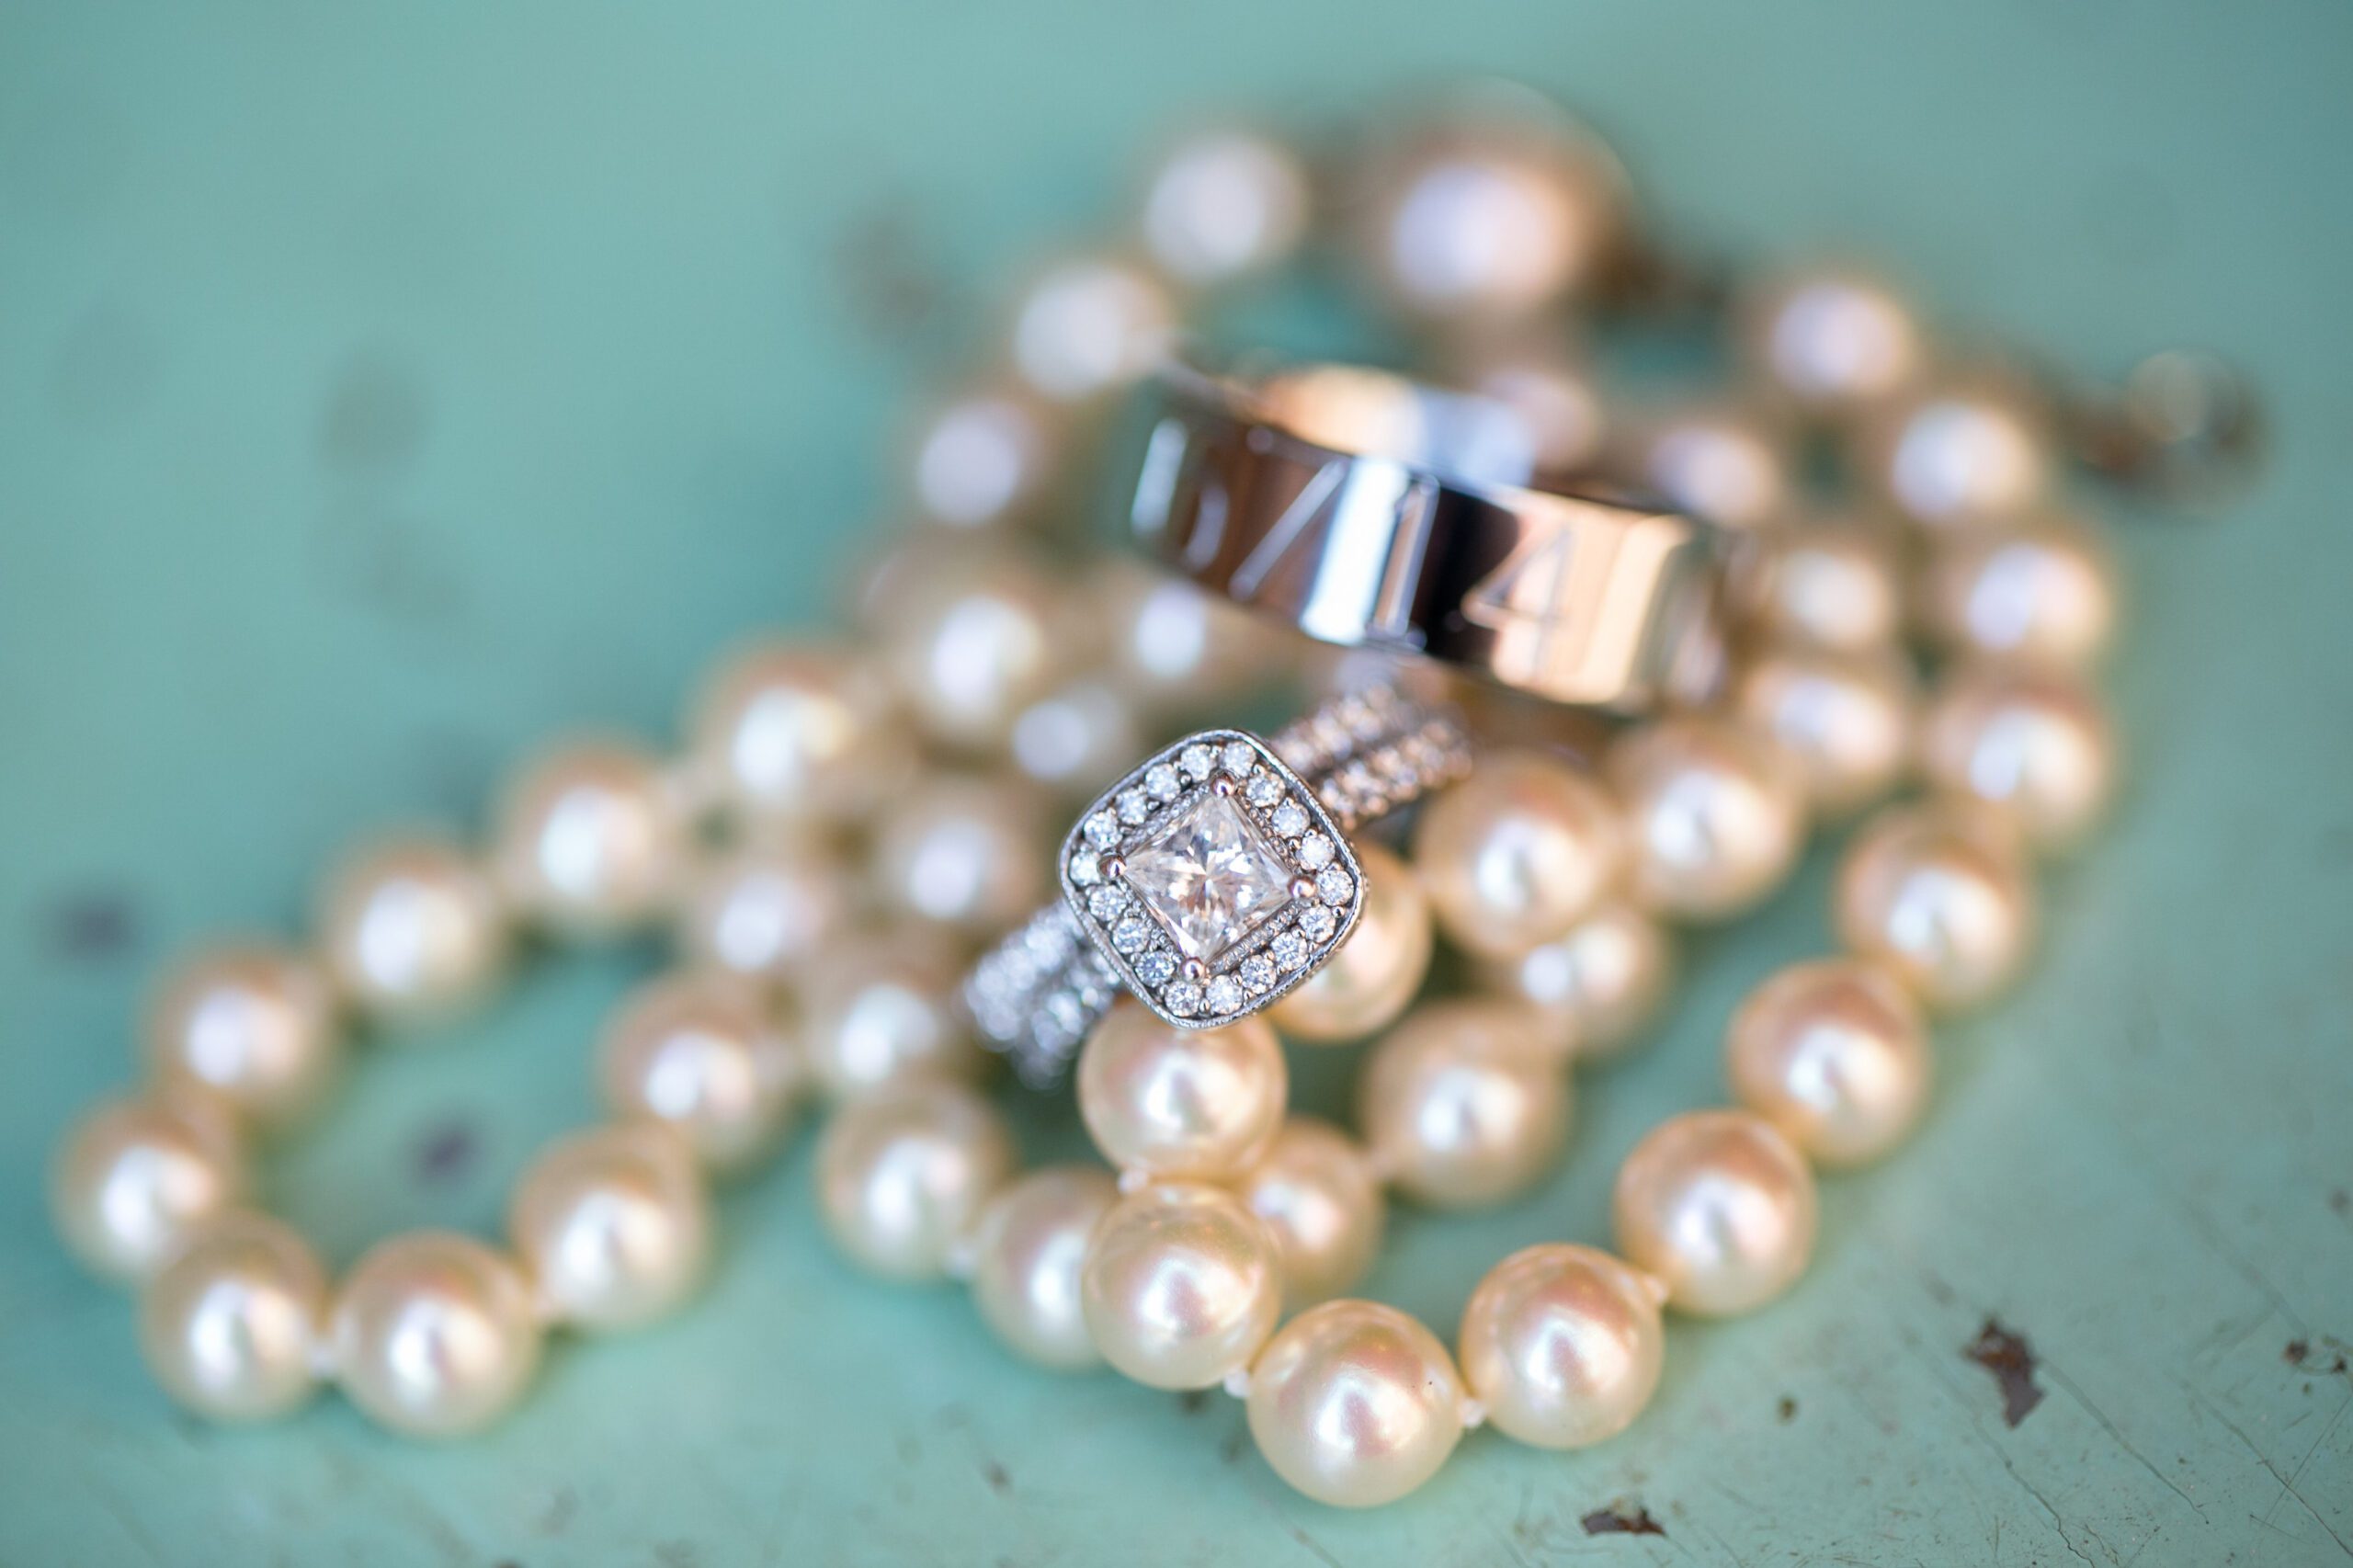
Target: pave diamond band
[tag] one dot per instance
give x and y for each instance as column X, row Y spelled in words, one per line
column 1212, row 880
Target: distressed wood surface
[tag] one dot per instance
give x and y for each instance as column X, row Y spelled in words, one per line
column 382, row 389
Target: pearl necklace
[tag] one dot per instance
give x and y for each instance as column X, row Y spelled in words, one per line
column 1556, row 885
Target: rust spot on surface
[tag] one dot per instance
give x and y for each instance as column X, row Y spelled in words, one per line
column 2296, row 1352
column 2010, row 1358
column 91, row 924
column 1000, row 1480
column 446, row 1152
column 1619, row 1521
column 1788, row 1410
column 1192, row 1401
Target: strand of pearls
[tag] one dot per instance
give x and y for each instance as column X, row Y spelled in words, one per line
column 882, row 805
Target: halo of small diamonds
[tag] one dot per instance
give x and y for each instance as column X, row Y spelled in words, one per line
column 1233, row 883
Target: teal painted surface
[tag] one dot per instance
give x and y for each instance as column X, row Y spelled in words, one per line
column 383, row 389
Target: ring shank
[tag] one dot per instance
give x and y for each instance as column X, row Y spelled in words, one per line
column 1592, row 600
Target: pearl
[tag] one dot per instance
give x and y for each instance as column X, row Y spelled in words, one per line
column 968, row 853
column 1355, row 1404
column 1176, row 648
column 1181, row 1286
column 1942, row 899
column 1376, row 972
column 1461, row 1104
column 613, row 1226
column 903, row 1176
column 1845, row 721
column 252, row 1024
column 1835, row 1055
column 879, row 1009
column 1076, row 739
column 1517, row 853
column 434, row 1335
column 1557, row 401
column 1832, row 339
column 1225, row 205
column 413, row 930
column 1172, row 1102
column 1832, row 585
column 1028, row 1248
column 136, row 1180
column 1717, row 816
column 986, row 459
column 971, row 648
column 2035, row 749
column 1599, row 988
column 1562, row 1346
column 699, row 1053
column 590, row 841
column 2042, row 594
column 797, row 733
column 1969, row 452
column 763, row 910
column 1091, row 326
column 229, row 1326
column 1726, row 465
column 1492, row 214
column 1317, row 1189
column 1720, row 1207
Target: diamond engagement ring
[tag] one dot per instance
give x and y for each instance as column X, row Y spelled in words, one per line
column 1212, row 880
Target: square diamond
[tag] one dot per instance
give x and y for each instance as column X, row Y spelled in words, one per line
column 1210, row 876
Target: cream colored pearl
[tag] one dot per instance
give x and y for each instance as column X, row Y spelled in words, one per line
column 1028, row 1248
column 1355, row 1404
column 1091, row 326
column 1725, row 464
column 590, row 840
column 986, row 459
column 1844, row 720
column 2036, row 749
column 1720, row 1207
column 1517, row 853
column 413, row 930
column 1561, row 1344
column 2042, row 594
column 1967, row 452
column 613, row 1226
column 1077, row 738
column 1556, row 400
column 798, row 733
column 1942, row 899
column 1181, row 1286
column 970, row 853
column 1377, row 968
column 1832, row 585
column 1715, row 816
column 230, row 1327
column 701, row 1053
column 763, row 910
column 1495, row 213
column 1832, row 339
column 1187, row 1103
column 971, row 648
column 1175, row 648
column 435, row 1336
column 1461, row 1105
column 137, row 1180
column 879, row 1009
column 1317, row 1189
column 903, row 1176
column 253, row 1025
column 1599, row 988
column 1225, row 205
column 1836, row 1055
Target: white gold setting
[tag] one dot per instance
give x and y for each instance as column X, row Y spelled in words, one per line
column 1210, row 879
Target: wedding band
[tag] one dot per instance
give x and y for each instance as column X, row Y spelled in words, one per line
column 1374, row 511
column 1212, row 880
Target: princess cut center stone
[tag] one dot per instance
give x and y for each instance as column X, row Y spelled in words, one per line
column 1210, row 876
